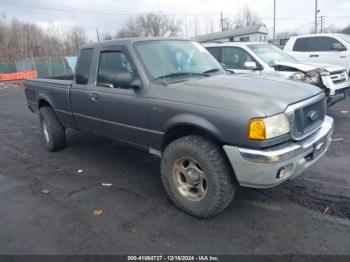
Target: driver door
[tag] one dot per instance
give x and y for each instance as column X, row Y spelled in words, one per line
column 119, row 112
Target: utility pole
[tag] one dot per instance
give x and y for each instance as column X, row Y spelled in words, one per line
column 98, row 35
column 222, row 22
column 274, row 21
column 316, row 12
column 322, row 20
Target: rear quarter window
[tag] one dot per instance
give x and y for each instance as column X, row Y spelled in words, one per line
column 301, row 45
column 83, row 67
column 215, row 52
column 324, row 44
column 315, row 44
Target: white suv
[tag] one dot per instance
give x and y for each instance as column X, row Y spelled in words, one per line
column 321, row 48
column 268, row 60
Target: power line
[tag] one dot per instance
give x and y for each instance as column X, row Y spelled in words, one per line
column 303, row 26
column 129, row 13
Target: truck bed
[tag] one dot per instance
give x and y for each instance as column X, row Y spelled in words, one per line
column 52, row 90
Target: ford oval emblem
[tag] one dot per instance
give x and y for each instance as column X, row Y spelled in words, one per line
column 312, row 115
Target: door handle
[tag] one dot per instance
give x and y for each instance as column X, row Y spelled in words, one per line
column 314, row 55
column 94, row 96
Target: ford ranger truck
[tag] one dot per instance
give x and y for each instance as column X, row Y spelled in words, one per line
column 214, row 131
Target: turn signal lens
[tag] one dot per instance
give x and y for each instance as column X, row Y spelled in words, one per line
column 268, row 127
column 256, row 129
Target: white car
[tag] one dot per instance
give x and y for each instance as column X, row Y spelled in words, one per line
column 266, row 59
column 321, row 48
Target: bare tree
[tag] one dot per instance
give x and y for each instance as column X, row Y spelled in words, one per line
column 22, row 40
column 77, row 37
column 195, row 26
column 227, row 23
column 346, row 30
column 331, row 29
column 247, row 18
column 286, row 34
column 209, row 25
column 151, row 24
column 106, row 35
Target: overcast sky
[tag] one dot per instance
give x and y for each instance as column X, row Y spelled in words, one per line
column 296, row 15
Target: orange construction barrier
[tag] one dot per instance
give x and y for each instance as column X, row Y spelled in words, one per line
column 18, row 76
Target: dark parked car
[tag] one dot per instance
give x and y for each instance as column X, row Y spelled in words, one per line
column 212, row 130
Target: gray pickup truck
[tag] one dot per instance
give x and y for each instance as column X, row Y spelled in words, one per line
column 212, row 130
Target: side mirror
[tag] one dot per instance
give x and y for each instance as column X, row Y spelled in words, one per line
column 122, row 80
column 338, row 47
column 223, row 66
column 136, row 84
column 250, row 65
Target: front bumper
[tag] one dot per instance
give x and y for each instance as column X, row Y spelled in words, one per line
column 270, row 167
column 340, row 94
column 334, row 87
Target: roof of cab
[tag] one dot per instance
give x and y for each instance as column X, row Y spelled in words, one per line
column 131, row 41
column 232, row 44
column 315, row 35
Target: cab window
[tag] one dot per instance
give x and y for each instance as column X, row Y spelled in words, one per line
column 83, row 67
column 324, row 44
column 235, row 57
column 110, row 64
column 316, row 44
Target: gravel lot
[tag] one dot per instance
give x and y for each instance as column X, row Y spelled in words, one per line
column 48, row 200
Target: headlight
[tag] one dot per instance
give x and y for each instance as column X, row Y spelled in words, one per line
column 297, row 76
column 267, row 128
column 313, row 78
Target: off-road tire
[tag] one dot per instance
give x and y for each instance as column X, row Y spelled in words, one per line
column 55, row 139
column 221, row 185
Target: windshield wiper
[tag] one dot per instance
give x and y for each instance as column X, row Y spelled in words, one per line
column 230, row 71
column 211, row 71
column 172, row 75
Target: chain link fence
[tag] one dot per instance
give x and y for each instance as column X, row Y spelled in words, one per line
column 44, row 66
column 6, row 68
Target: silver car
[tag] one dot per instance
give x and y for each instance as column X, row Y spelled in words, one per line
column 266, row 59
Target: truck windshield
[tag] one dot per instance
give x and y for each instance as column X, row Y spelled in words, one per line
column 176, row 60
column 270, row 55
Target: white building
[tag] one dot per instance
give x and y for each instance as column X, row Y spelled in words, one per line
column 254, row 33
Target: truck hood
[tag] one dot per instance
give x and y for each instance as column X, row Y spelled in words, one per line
column 265, row 95
column 306, row 66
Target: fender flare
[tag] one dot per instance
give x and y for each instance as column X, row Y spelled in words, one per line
column 193, row 121
column 43, row 97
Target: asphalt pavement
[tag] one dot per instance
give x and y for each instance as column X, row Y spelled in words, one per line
column 101, row 197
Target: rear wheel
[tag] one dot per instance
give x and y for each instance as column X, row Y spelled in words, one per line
column 52, row 130
column 196, row 176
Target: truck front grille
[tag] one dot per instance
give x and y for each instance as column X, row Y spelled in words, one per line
column 306, row 117
column 338, row 77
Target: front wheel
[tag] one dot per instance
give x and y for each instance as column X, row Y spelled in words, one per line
column 196, row 176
